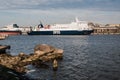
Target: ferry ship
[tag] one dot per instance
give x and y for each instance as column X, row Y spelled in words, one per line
column 73, row 28
column 12, row 29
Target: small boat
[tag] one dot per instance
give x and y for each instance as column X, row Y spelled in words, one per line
column 10, row 30
column 73, row 28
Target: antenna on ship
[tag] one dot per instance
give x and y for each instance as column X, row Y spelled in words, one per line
column 76, row 19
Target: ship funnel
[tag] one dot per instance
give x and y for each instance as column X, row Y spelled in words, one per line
column 41, row 25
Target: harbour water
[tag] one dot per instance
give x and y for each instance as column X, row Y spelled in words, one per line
column 93, row 57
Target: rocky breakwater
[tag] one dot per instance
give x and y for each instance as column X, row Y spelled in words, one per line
column 42, row 53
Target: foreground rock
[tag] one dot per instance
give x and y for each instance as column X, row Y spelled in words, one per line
column 10, row 74
column 42, row 53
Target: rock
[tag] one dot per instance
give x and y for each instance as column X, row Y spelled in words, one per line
column 21, row 54
column 55, row 65
column 58, row 51
column 42, row 53
column 10, row 74
column 39, row 53
column 44, row 47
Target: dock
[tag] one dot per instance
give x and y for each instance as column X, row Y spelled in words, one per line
column 3, row 48
column 106, row 30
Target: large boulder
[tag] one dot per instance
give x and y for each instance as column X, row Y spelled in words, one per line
column 42, row 49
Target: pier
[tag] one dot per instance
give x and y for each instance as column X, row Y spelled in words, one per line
column 106, row 30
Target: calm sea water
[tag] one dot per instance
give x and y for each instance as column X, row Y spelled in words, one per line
column 94, row 57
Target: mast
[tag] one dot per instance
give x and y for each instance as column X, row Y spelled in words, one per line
column 76, row 19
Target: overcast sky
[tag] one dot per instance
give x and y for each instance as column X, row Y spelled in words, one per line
column 30, row 12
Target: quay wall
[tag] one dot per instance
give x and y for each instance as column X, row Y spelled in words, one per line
column 106, row 30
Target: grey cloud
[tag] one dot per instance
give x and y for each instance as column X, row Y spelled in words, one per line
column 67, row 4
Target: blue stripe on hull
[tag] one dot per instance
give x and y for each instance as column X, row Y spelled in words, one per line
column 40, row 33
column 85, row 32
column 75, row 32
